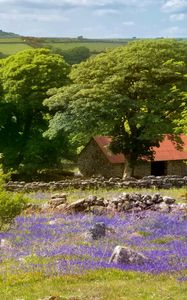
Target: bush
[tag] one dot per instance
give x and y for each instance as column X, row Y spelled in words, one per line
column 11, row 205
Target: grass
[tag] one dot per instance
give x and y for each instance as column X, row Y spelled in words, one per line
column 11, row 48
column 11, row 40
column 164, row 240
column 105, row 285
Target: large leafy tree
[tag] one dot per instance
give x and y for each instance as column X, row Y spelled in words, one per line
column 182, row 122
column 133, row 93
column 25, row 79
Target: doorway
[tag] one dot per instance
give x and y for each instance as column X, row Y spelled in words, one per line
column 159, row 168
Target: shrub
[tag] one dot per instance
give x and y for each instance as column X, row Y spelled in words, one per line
column 11, row 205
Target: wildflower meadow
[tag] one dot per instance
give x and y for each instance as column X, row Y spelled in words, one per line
column 57, row 246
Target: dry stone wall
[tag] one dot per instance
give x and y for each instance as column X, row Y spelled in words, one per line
column 123, row 203
column 164, row 182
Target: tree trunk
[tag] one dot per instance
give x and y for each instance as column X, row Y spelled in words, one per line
column 25, row 137
column 128, row 168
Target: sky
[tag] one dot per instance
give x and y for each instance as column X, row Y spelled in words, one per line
column 95, row 18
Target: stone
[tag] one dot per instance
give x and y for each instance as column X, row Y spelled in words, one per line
column 100, row 202
column 136, row 209
column 182, row 206
column 61, row 207
column 120, row 207
column 51, row 298
column 147, row 199
column 156, row 198
column 135, row 197
column 80, row 183
column 127, row 206
column 5, row 244
column 124, row 197
column 97, row 210
column 163, row 207
column 125, row 255
column 98, row 230
column 77, row 206
column 45, row 207
column 168, row 200
column 112, row 206
column 56, row 201
column 106, row 202
column 61, row 195
column 33, row 209
column 53, row 222
column 92, row 199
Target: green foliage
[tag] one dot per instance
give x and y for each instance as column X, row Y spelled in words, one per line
column 34, row 42
column 182, row 122
column 75, row 55
column 2, row 55
column 25, row 80
column 3, row 178
column 11, row 205
column 134, row 93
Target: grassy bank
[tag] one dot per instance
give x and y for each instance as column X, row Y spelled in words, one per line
column 105, row 285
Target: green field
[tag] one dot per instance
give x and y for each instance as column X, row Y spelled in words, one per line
column 11, row 40
column 93, row 46
column 11, row 48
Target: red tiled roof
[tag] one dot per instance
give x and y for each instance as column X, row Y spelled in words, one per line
column 103, row 142
column 166, row 151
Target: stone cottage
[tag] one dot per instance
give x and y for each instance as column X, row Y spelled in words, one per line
column 96, row 159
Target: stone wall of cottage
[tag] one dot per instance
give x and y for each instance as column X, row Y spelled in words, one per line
column 173, row 168
column 92, row 161
column 177, row 168
column 142, row 169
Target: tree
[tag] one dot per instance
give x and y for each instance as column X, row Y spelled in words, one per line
column 73, row 56
column 182, row 122
column 2, row 55
column 25, row 79
column 133, row 93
